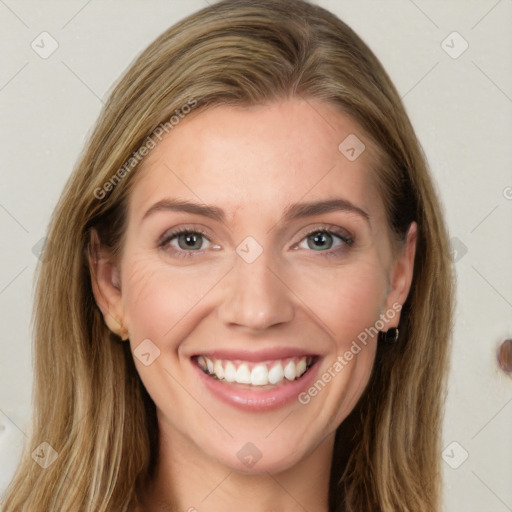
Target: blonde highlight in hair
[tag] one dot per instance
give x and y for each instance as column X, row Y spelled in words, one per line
column 89, row 402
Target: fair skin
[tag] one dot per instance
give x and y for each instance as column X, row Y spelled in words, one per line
column 307, row 293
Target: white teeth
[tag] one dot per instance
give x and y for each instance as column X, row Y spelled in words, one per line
column 301, row 366
column 276, row 374
column 230, row 372
column 289, row 371
column 243, row 374
column 259, row 374
column 218, row 369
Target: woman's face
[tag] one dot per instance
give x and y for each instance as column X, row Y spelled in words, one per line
column 249, row 328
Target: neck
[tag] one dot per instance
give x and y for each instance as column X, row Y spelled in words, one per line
column 188, row 481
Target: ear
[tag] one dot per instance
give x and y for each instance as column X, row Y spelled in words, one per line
column 105, row 280
column 401, row 276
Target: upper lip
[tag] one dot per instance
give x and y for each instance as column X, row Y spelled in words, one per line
column 269, row 354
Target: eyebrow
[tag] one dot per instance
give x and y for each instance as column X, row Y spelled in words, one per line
column 292, row 212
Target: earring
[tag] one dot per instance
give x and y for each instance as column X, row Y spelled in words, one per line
column 119, row 330
column 389, row 337
column 124, row 334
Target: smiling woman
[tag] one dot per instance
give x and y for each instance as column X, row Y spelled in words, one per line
column 256, row 315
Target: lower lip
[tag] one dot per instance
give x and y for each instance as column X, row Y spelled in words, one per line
column 258, row 400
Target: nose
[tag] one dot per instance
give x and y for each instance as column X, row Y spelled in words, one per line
column 256, row 296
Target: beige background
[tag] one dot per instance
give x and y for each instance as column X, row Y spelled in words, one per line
column 461, row 108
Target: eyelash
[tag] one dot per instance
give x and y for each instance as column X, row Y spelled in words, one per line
column 347, row 240
column 181, row 231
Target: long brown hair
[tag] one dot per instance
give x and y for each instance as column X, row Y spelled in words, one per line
column 90, row 404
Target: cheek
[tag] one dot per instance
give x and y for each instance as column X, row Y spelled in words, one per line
column 346, row 299
column 159, row 299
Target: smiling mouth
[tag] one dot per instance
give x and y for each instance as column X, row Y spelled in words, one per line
column 260, row 375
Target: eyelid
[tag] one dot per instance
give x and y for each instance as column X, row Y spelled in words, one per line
column 171, row 234
column 343, row 233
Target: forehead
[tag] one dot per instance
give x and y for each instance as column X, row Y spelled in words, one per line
column 265, row 156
